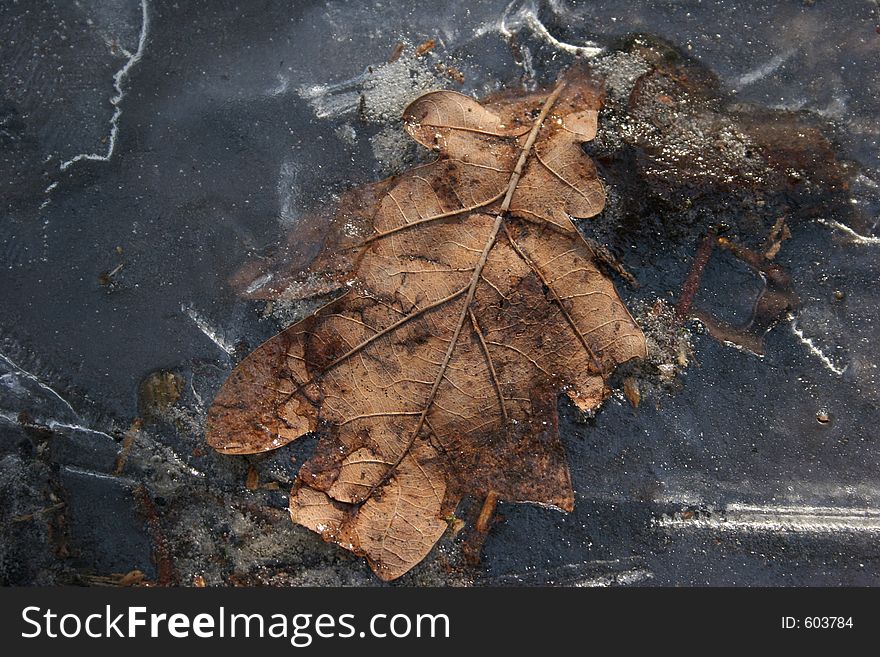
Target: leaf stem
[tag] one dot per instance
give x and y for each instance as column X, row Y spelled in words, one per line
column 475, row 279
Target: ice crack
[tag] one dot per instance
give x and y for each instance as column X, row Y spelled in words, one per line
column 118, row 80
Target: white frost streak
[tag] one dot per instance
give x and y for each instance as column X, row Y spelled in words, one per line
column 802, row 519
column 47, row 192
column 281, row 88
column 762, row 71
column 856, row 237
column 287, row 195
column 118, row 80
column 811, row 346
column 625, row 578
column 333, row 100
column 53, row 424
column 22, row 372
column 212, row 333
column 515, row 17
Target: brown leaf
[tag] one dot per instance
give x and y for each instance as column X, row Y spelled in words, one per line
column 474, row 302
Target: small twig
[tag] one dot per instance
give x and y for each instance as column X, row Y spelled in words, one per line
column 778, row 234
column 167, row 573
column 775, row 300
column 39, row 512
column 487, row 512
column 692, row 282
column 127, row 444
column 473, row 546
column 607, row 258
column 131, row 578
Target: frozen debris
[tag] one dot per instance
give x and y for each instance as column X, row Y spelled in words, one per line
column 290, row 307
column 379, row 94
column 378, row 97
column 158, row 393
column 669, row 343
column 690, row 136
column 624, row 578
column 346, row 134
column 620, row 70
column 48, row 194
column 259, row 283
column 593, row 573
column 281, row 87
column 17, row 419
column 392, row 149
column 669, row 353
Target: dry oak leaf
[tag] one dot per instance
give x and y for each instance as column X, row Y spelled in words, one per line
column 473, row 303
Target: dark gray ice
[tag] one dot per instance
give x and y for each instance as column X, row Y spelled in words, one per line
column 150, row 149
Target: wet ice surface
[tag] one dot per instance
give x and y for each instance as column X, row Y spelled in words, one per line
column 227, row 123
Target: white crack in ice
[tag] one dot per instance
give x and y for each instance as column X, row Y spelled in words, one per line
column 805, row 519
column 24, row 373
column 813, row 349
column 118, row 80
column 518, row 15
column 203, row 325
column 384, row 86
column 856, row 238
column 48, row 193
column 51, row 423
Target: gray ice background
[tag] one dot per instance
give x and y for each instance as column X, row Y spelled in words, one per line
column 195, row 135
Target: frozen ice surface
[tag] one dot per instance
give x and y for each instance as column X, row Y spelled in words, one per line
column 181, row 140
